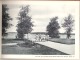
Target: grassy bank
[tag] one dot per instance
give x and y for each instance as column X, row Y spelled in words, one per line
column 29, row 48
column 36, row 50
column 12, row 40
column 62, row 41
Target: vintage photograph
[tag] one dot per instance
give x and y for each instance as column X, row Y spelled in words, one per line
column 39, row 28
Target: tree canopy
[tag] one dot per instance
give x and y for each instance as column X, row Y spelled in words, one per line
column 52, row 28
column 24, row 25
column 5, row 19
column 68, row 25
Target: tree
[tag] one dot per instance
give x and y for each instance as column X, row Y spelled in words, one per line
column 24, row 25
column 5, row 19
column 53, row 27
column 68, row 25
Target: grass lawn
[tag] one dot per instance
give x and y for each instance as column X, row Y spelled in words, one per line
column 62, row 41
column 11, row 41
column 29, row 49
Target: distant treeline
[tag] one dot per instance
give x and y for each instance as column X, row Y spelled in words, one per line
column 41, row 33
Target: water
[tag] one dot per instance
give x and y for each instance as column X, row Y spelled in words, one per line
column 12, row 35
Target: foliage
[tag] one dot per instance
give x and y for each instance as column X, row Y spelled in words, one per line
column 53, row 27
column 5, row 19
column 24, row 25
column 68, row 25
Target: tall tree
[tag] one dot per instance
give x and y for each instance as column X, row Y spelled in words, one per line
column 5, row 19
column 68, row 25
column 53, row 27
column 24, row 25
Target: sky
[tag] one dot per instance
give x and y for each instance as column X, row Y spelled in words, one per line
column 41, row 13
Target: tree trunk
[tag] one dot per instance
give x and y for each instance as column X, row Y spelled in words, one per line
column 68, row 36
column 27, row 36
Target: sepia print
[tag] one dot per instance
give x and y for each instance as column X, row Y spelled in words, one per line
column 39, row 28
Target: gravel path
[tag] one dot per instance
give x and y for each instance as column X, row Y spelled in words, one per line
column 69, row 49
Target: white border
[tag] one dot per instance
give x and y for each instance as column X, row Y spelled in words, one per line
column 76, row 56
